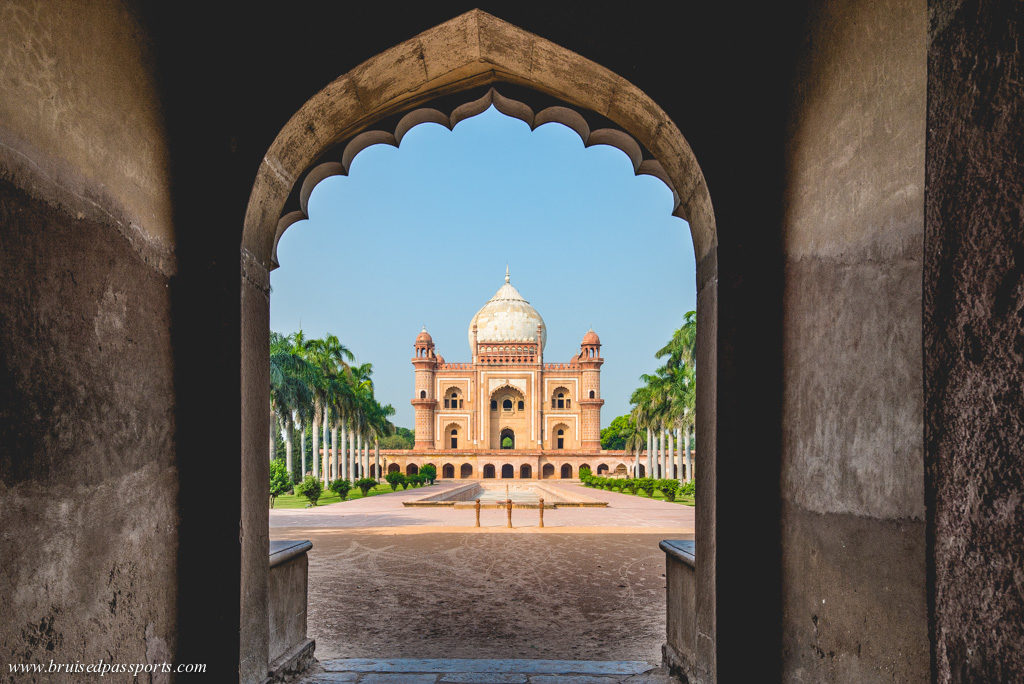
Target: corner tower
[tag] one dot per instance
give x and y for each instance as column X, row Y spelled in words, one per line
column 424, row 362
column 590, row 395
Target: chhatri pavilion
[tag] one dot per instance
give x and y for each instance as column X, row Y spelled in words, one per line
column 507, row 413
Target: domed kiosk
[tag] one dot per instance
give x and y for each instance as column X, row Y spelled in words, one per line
column 507, row 406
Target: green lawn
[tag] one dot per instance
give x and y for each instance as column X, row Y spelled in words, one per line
column 329, row 497
column 683, row 499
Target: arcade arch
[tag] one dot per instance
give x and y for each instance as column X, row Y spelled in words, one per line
column 466, row 471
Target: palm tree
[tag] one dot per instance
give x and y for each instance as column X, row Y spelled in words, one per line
column 680, row 369
column 380, row 426
column 362, row 395
column 289, row 388
column 328, row 359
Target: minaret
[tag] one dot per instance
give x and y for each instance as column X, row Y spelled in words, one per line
column 590, row 395
column 425, row 363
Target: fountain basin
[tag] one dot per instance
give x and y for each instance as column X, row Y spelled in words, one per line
column 493, row 495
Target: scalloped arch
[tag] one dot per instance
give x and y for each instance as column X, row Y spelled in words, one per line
column 566, row 116
column 471, row 50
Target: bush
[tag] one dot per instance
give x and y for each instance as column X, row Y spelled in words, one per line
column 584, row 474
column 629, row 484
column 688, row 488
column 341, row 488
column 310, row 488
column 406, row 481
column 669, row 488
column 395, row 479
column 647, row 485
column 365, row 484
column 429, row 472
column 280, row 480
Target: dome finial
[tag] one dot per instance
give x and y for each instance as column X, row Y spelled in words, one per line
column 507, row 278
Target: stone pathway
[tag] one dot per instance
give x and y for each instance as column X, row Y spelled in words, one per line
column 485, row 671
column 624, row 513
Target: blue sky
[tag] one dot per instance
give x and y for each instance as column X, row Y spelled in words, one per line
column 420, row 235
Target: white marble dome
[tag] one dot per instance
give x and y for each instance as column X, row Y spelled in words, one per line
column 507, row 317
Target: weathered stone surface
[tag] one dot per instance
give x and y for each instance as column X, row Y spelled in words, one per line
column 974, row 340
column 86, row 442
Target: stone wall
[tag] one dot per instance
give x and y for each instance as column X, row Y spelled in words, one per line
column 853, row 531
column 88, row 476
column 974, row 340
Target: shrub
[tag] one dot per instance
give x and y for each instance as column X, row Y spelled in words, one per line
column 309, row 488
column 646, row 485
column 429, row 472
column 365, row 484
column 669, row 488
column 405, row 481
column 688, row 488
column 395, row 479
column 584, row 474
column 341, row 488
column 629, row 484
column 280, row 480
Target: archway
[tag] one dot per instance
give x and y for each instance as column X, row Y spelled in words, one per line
column 466, row 470
column 448, row 471
column 373, row 471
column 412, row 469
column 525, row 471
column 466, row 52
column 621, row 470
column 547, row 472
column 394, row 468
column 602, row 469
column 489, row 471
column 584, row 466
column 508, row 471
column 507, row 439
column 566, row 473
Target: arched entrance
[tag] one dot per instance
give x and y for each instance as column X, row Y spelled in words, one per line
column 566, row 473
column 507, row 439
column 448, row 471
column 489, row 472
column 466, row 470
column 525, row 472
column 602, row 469
column 547, row 472
column 621, row 470
column 466, row 52
column 508, row 471
column 412, row 469
column 394, row 468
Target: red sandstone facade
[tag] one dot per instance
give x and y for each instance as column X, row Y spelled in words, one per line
column 507, row 410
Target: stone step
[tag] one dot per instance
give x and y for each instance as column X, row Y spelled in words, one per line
column 484, row 671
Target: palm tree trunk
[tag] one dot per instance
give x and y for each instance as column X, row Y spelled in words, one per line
column 352, row 453
column 366, row 457
column 689, row 456
column 680, row 472
column 316, row 442
column 344, row 457
column 670, row 454
column 636, row 462
column 359, row 453
column 376, row 456
column 335, row 475
column 302, row 450
column 288, row 448
column 326, row 465
column 662, row 461
column 273, row 426
column 650, row 456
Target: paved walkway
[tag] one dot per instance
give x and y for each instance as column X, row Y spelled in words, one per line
column 485, row 671
column 385, row 513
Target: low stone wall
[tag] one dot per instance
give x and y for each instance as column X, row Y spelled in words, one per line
column 680, row 648
column 290, row 651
